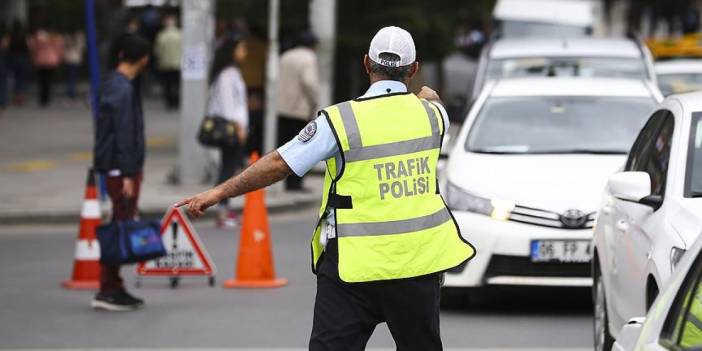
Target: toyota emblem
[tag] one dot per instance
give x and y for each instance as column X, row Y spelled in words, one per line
column 573, row 219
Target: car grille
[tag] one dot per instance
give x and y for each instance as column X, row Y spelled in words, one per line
column 501, row 265
column 535, row 216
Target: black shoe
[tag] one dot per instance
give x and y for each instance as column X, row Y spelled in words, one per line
column 129, row 297
column 116, row 301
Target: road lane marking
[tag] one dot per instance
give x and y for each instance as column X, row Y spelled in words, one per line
column 159, row 141
column 30, row 166
column 82, row 156
column 33, row 166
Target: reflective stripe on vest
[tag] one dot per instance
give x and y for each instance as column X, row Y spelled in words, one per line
column 396, row 225
column 359, row 153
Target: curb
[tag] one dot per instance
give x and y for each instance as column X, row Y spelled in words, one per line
column 73, row 216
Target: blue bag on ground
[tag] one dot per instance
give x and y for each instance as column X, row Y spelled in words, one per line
column 123, row 242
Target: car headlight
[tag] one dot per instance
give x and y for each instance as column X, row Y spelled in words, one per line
column 461, row 200
column 676, row 255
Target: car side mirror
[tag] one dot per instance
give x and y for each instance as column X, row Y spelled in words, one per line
column 634, row 187
column 630, row 333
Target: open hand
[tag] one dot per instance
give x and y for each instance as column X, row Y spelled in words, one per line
column 200, row 202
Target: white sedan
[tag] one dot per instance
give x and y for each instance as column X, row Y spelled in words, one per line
column 675, row 319
column 524, row 175
column 563, row 57
column 650, row 214
column 679, row 76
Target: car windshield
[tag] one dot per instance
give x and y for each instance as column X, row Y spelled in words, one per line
column 608, row 67
column 679, row 83
column 513, row 28
column 694, row 168
column 553, row 124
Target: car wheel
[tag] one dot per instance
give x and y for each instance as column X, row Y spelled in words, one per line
column 603, row 340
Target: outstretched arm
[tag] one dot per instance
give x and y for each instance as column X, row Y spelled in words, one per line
column 268, row 170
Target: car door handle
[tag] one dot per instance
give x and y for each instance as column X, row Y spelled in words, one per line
column 622, row 225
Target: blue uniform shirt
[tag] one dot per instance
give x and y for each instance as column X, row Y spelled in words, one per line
column 314, row 145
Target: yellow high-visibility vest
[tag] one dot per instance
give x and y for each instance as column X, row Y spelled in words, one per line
column 692, row 328
column 391, row 221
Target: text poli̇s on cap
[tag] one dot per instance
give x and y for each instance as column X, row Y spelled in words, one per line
column 393, row 40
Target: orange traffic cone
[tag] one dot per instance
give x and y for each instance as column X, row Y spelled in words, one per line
column 86, row 267
column 254, row 268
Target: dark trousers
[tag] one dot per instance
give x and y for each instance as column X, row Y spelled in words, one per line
column 231, row 160
column 123, row 209
column 3, row 79
column 45, row 76
column 18, row 66
column 288, row 128
column 254, row 140
column 71, row 77
column 171, row 87
column 345, row 314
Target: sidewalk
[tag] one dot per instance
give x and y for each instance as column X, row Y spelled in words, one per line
column 45, row 154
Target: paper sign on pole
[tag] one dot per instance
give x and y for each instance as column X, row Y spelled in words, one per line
column 186, row 255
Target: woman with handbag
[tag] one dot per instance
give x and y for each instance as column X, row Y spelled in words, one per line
column 228, row 103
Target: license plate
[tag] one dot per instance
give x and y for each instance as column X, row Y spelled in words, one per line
column 572, row 251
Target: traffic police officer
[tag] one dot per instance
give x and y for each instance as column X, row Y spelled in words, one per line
column 384, row 234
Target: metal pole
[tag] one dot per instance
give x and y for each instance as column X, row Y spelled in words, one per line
column 271, row 129
column 198, row 37
column 270, row 137
column 94, row 67
column 323, row 23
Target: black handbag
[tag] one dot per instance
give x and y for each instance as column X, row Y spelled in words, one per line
column 216, row 131
column 123, row 242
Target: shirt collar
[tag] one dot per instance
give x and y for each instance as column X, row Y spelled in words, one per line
column 384, row 87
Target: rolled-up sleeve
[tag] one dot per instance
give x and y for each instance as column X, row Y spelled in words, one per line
column 302, row 153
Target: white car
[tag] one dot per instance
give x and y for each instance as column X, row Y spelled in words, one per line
column 524, row 175
column 582, row 57
column 650, row 213
column 554, row 18
column 679, row 76
column 675, row 320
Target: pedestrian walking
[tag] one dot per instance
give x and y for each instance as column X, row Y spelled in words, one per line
column 296, row 97
column 74, row 47
column 119, row 153
column 18, row 61
column 46, row 48
column 168, row 51
column 384, row 235
column 228, row 100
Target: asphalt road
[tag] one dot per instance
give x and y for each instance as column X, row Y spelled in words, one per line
column 36, row 313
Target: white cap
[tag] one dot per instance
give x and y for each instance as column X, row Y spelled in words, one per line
column 393, row 40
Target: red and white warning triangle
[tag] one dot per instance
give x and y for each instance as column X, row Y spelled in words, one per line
column 186, row 255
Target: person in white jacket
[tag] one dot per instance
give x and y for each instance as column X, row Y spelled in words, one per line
column 296, row 96
column 228, row 100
